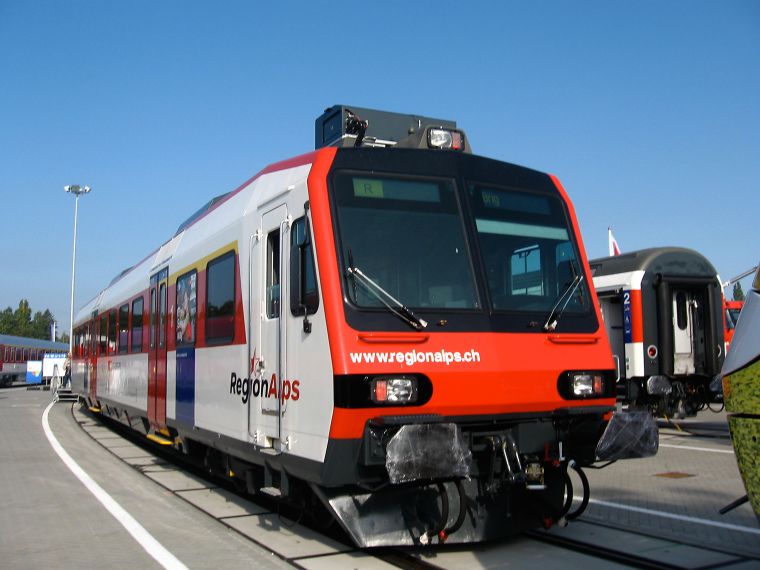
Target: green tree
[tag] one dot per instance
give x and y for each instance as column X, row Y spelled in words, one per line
column 21, row 322
column 23, row 318
column 7, row 322
column 41, row 324
column 738, row 292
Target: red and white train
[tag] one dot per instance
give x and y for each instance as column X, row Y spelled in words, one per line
column 663, row 313
column 16, row 351
column 377, row 326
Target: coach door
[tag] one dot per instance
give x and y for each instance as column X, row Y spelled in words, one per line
column 270, row 342
column 684, row 313
column 157, row 348
column 612, row 306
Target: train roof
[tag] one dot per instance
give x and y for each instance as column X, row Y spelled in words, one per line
column 665, row 260
column 32, row 342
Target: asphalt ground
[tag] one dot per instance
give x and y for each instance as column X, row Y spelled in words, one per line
column 677, row 493
column 49, row 518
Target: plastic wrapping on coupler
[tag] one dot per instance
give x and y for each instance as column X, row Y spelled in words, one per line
column 629, row 435
column 427, row 451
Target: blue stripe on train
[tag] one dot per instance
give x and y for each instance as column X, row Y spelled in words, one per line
column 186, row 386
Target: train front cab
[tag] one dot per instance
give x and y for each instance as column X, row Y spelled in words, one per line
column 469, row 362
column 662, row 309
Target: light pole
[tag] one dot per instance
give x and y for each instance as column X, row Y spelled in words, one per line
column 77, row 191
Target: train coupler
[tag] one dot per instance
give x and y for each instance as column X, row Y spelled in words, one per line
column 515, row 469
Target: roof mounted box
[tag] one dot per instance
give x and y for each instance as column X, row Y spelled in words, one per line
column 337, row 126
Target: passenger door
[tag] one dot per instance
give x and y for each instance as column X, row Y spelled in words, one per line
column 684, row 305
column 157, row 348
column 612, row 308
column 270, row 342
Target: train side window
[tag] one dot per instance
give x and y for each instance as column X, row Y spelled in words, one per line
column 137, row 324
column 26, row 354
column 273, row 274
column 304, row 295
column 162, row 315
column 90, row 341
column 220, row 299
column 186, row 308
column 153, row 313
column 112, row 327
column 681, row 316
column 124, row 328
column 103, row 336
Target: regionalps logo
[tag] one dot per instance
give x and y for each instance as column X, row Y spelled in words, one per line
column 263, row 388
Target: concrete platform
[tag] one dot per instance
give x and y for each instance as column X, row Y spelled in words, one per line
column 48, row 518
column 677, row 493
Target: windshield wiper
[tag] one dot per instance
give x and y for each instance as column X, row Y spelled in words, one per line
column 567, row 294
column 391, row 303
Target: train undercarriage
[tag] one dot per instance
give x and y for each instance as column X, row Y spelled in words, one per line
column 420, row 483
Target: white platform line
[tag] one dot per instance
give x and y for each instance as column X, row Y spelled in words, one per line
column 154, row 548
column 731, row 451
column 683, row 518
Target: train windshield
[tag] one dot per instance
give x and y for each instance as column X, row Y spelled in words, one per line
column 531, row 262
column 405, row 235
column 455, row 252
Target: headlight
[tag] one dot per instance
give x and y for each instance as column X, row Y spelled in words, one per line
column 586, row 384
column 396, row 390
column 446, row 139
column 578, row 385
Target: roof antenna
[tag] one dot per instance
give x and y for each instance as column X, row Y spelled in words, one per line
column 355, row 126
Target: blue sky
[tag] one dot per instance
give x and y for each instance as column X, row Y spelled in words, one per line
column 648, row 112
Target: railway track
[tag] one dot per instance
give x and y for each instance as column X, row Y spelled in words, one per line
column 282, row 531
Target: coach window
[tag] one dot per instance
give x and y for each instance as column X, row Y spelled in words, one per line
column 137, row 324
column 186, row 308
column 162, row 315
column 90, row 340
column 220, row 299
column 123, row 328
column 103, row 336
column 303, row 280
column 273, row 274
column 153, row 313
column 112, row 328
column 681, row 315
column 25, row 355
